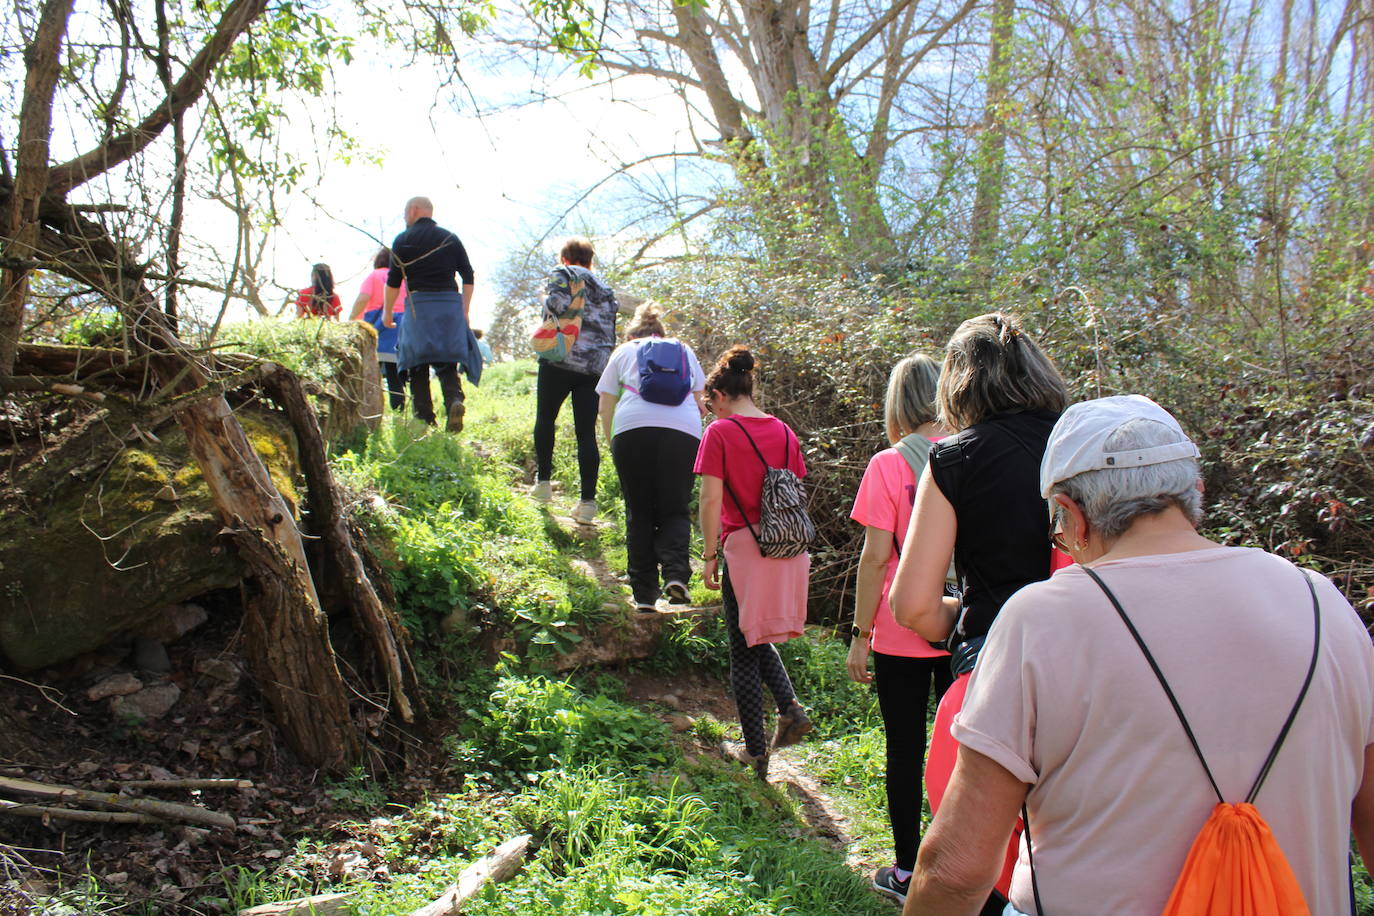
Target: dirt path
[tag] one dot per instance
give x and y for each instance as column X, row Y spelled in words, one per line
column 680, row 699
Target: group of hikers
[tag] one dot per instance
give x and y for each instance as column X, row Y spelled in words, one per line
column 1132, row 718
column 422, row 319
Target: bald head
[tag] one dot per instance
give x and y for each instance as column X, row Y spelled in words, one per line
column 417, row 208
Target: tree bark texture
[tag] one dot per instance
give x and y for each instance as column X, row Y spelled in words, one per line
column 21, row 227
column 992, row 147
column 378, row 623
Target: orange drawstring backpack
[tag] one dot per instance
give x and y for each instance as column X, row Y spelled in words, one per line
column 1235, row 866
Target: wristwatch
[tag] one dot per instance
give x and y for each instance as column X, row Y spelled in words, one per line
column 856, row 633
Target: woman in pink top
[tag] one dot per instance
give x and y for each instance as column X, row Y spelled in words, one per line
column 368, row 307
column 763, row 599
column 905, row 667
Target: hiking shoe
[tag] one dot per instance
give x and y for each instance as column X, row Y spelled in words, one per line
column 885, row 881
column 542, row 491
column 645, row 607
column 585, row 512
column 736, row 750
column 793, row 725
column 455, row 418
column 677, row 593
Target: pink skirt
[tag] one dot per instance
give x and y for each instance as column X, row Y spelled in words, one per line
column 771, row 593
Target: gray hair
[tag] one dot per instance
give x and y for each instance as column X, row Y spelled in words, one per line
column 910, row 400
column 1113, row 498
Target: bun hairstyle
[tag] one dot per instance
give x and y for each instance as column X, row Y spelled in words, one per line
column 733, row 375
column 993, row 366
column 647, row 322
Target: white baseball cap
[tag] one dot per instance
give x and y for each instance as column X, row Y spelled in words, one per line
column 1077, row 442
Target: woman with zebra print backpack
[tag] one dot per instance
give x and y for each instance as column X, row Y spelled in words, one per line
column 763, row 593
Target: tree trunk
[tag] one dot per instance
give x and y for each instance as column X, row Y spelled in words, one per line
column 21, row 228
column 375, row 621
column 992, row 148
column 287, row 634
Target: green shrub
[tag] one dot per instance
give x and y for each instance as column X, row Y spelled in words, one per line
column 533, row 724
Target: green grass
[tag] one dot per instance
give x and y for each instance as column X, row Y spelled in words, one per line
column 625, row 819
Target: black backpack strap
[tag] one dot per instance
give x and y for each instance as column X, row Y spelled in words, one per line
column 1030, row 857
column 1178, row 710
column 1154, row 666
column 728, row 489
column 1302, row 694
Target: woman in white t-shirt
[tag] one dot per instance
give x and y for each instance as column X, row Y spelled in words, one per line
column 651, row 412
column 906, row 669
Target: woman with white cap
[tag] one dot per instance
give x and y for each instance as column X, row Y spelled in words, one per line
column 1065, row 712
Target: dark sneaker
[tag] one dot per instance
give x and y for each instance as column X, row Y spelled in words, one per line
column 793, row 725
column 455, row 418
column 677, row 593
column 736, row 750
column 885, row 882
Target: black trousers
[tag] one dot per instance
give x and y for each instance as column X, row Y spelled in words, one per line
column 395, row 385
column 655, row 469
column 449, row 385
column 554, row 386
column 904, row 687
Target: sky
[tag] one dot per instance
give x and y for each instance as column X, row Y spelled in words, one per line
column 496, row 180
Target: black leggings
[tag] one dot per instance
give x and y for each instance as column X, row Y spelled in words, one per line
column 751, row 667
column 904, row 686
column 553, row 387
column 395, row 385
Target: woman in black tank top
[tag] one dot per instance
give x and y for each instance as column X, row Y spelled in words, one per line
column 979, row 497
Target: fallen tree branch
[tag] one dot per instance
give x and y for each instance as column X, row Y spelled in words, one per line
column 43, row 689
column 503, row 862
column 188, row 784
column 75, row 814
column 381, row 625
column 318, row 905
column 167, row 811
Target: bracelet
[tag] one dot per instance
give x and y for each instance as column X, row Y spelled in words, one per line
column 713, row 556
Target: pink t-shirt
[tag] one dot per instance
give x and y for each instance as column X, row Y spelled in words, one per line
column 374, row 284
column 725, row 453
column 1063, row 698
column 884, row 501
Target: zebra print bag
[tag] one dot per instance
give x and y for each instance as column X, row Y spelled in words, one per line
column 785, row 530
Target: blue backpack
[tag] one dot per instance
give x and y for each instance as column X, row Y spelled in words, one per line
column 665, row 375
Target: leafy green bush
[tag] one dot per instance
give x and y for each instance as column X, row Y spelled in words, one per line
column 301, row 346
column 533, row 724
column 99, row 328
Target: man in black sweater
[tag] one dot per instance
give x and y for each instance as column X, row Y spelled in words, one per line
column 435, row 333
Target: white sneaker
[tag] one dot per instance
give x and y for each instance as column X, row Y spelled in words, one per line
column 585, row 512
column 542, row 491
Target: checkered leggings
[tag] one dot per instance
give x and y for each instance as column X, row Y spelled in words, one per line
column 751, row 667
